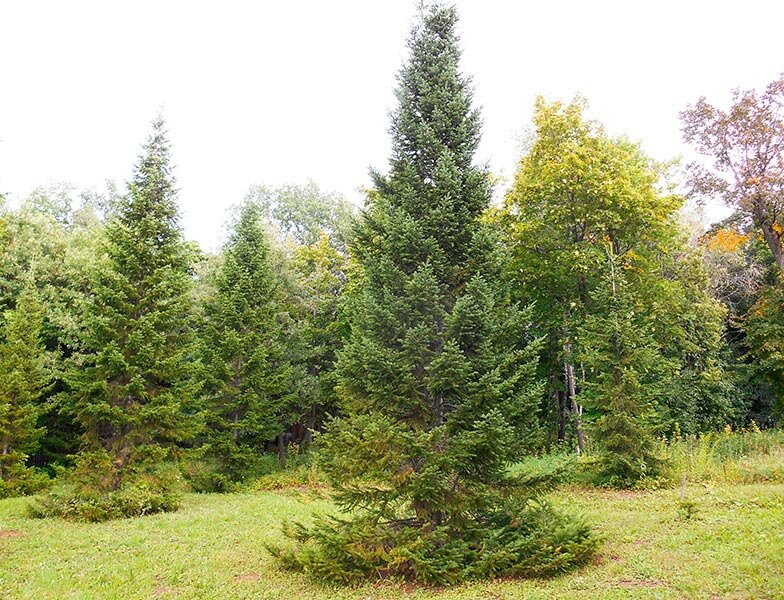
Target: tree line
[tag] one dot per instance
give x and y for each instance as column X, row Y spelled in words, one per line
column 431, row 339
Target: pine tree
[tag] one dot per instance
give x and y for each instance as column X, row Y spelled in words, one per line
column 437, row 381
column 24, row 375
column 132, row 386
column 251, row 370
column 627, row 377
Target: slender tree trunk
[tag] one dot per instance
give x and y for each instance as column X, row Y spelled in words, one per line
column 307, row 439
column 6, row 449
column 234, row 431
column 439, row 409
column 571, row 390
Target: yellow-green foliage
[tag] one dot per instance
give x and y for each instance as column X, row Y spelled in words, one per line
column 301, row 475
column 731, row 457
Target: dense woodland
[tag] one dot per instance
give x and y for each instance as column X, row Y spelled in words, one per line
column 427, row 341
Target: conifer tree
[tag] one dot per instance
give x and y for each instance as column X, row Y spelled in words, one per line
column 626, row 380
column 132, row 385
column 251, row 370
column 437, row 380
column 24, row 376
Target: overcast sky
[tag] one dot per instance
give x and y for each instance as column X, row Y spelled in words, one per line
column 276, row 92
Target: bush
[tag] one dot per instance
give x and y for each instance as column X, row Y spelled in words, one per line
column 97, row 491
column 206, row 474
column 26, row 482
column 524, row 538
column 301, row 475
column 204, row 478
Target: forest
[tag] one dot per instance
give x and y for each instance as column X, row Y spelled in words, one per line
column 448, row 375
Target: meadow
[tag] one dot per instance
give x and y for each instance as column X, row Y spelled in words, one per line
column 719, row 536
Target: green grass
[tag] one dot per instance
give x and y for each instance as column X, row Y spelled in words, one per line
column 728, row 457
column 733, row 547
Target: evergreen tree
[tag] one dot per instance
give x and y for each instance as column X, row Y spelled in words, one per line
column 625, row 383
column 131, row 387
column 252, row 376
column 24, row 375
column 437, row 380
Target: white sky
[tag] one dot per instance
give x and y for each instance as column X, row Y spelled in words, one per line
column 275, row 92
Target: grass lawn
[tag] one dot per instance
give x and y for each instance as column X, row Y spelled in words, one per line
column 733, row 547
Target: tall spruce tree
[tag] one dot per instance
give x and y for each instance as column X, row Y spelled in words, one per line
column 626, row 379
column 131, row 387
column 437, row 381
column 24, row 375
column 252, row 374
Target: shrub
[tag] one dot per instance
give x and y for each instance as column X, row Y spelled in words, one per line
column 522, row 538
column 300, row 475
column 96, row 491
column 26, row 482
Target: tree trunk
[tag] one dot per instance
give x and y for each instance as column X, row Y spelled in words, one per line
column 774, row 243
column 560, row 420
column 234, row 430
column 439, row 409
column 311, row 425
column 6, row 448
column 571, row 390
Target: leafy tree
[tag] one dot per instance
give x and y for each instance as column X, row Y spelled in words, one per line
column 746, row 143
column 578, row 191
column 312, row 229
column 323, row 271
column 689, row 329
column 48, row 244
column 252, row 372
column 131, row 386
column 574, row 189
column 24, row 376
column 764, row 328
column 303, row 212
column 437, row 381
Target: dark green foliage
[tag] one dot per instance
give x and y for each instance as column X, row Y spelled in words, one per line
column 764, row 328
column 131, row 387
column 437, row 380
column 252, row 370
column 24, row 376
column 516, row 539
column 50, row 245
column 627, row 377
column 322, row 271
